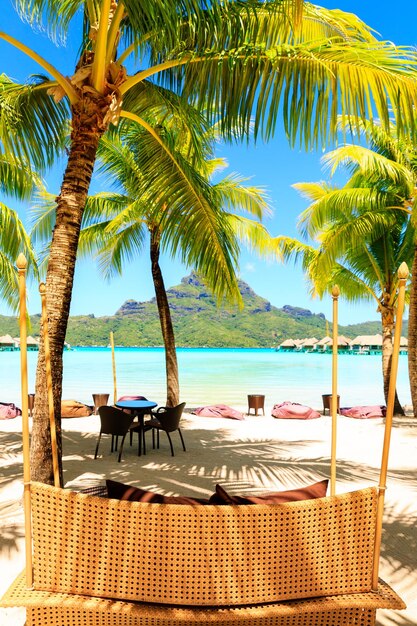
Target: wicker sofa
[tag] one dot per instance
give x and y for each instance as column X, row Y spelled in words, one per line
column 104, row 561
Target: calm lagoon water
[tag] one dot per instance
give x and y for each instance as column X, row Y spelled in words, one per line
column 210, row 376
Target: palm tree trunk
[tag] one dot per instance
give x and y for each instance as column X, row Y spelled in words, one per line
column 171, row 364
column 387, row 315
column 86, row 132
column 412, row 335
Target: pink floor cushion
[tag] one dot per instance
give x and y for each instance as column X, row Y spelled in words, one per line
column 364, row 412
column 8, row 411
column 293, row 410
column 219, row 410
column 126, row 398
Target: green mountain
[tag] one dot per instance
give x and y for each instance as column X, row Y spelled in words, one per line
column 198, row 322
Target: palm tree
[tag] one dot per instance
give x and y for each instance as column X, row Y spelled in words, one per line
column 234, row 60
column 115, row 225
column 363, row 229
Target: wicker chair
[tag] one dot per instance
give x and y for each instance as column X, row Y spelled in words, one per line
column 166, row 419
column 116, row 423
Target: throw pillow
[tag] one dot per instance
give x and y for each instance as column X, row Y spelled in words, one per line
column 318, row 490
column 119, row 491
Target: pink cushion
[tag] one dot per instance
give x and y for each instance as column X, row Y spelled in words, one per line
column 125, row 398
column 219, row 410
column 8, row 410
column 317, row 490
column 119, row 491
column 364, row 412
column 292, row 410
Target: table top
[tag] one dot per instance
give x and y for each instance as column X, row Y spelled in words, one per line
column 136, row 404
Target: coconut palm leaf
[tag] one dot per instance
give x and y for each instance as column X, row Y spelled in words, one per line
column 370, row 163
column 253, row 235
column 16, row 178
column 32, row 126
column 13, row 240
column 236, row 196
column 333, row 204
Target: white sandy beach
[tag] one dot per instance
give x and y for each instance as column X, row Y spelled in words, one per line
column 251, row 456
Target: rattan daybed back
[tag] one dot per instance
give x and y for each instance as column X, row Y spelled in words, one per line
column 202, row 555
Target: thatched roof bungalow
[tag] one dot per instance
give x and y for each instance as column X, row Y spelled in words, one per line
column 7, row 342
column 289, row 345
column 367, row 343
column 309, row 344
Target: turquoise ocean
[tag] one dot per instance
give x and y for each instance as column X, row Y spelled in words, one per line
column 209, row 376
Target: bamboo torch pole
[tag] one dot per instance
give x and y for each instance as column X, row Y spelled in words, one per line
column 52, row 425
column 21, row 266
column 335, row 296
column 402, row 275
column 113, row 359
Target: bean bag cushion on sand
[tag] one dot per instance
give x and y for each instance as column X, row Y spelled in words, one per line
column 8, row 411
column 364, row 412
column 292, row 410
column 72, row 408
column 219, row 410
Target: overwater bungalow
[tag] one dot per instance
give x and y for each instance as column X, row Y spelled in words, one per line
column 7, row 343
column 325, row 344
column 289, row 345
column 343, row 344
column 32, row 343
column 367, row 344
column 308, row 345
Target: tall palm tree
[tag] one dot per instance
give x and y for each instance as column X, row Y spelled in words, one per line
column 115, row 225
column 363, row 230
column 235, row 60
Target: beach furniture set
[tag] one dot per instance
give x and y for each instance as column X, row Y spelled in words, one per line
column 97, row 560
column 118, row 421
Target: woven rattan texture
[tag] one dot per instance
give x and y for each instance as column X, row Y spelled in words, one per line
column 202, row 555
column 53, row 608
column 62, row 617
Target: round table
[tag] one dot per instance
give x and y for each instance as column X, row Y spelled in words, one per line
column 140, row 408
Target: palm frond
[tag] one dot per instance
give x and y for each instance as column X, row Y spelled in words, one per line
column 33, row 127
column 115, row 252
column 336, row 205
column 371, row 164
column 313, row 84
column 103, row 206
column 236, row 196
column 9, row 288
column 42, row 216
column 13, row 240
column 16, row 177
column 54, row 16
column 253, row 236
column 289, row 248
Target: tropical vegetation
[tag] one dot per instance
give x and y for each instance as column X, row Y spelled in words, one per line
column 236, row 61
column 16, row 180
column 198, row 322
column 117, row 226
column 363, row 230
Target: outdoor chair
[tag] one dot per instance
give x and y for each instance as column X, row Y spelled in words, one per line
column 167, row 419
column 116, row 423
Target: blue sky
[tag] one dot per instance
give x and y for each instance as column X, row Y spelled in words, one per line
column 274, row 166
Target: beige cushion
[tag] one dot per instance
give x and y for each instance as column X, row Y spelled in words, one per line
column 72, row 408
